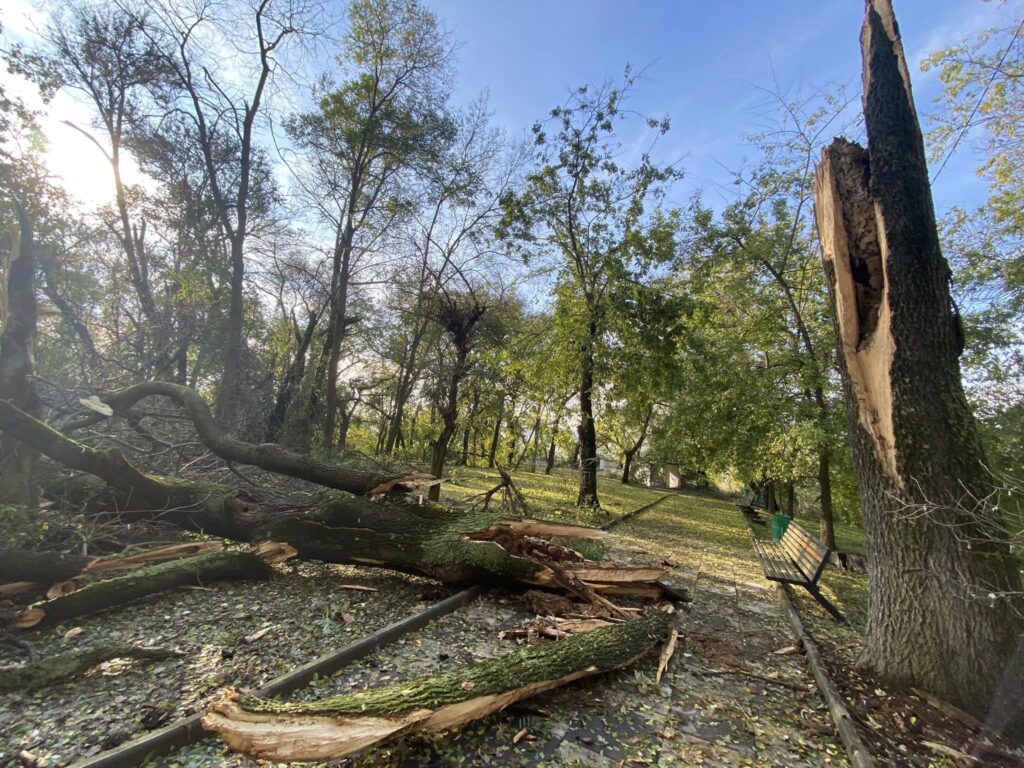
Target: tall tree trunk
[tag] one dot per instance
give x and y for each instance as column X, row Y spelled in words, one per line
column 17, row 361
column 474, row 407
column 404, row 389
column 228, row 394
column 347, row 412
column 587, row 496
column 549, row 466
column 290, row 383
column 627, row 464
column 496, row 436
column 945, row 592
column 536, row 443
column 827, row 525
column 828, row 533
column 339, row 302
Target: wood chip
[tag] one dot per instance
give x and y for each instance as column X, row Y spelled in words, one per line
column 72, row 633
column 29, row 618
column 357, row 587
column 93, row 403
column 950, row 752
column 60, row 589
column 520, row 736
column 14, row 588
column 273, row 552
column 666, row 654
column 250, row 639
column 789, row 650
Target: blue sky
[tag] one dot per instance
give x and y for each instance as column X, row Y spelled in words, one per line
column 705, row 65
column 707, row 61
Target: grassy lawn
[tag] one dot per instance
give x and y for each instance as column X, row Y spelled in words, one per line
column 554, row 495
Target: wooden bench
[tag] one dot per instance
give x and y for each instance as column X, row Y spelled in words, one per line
column 798, row 559
column 748, row 506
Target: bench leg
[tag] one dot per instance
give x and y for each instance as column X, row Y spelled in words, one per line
column 823, row 601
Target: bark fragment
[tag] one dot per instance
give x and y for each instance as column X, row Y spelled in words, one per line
column 27, row 677
column 201, row 569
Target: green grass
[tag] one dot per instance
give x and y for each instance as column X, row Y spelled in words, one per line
column 554, row 496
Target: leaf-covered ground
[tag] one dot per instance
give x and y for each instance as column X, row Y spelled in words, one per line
column 735, row 694
column 306, row 608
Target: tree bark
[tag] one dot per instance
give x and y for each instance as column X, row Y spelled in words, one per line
column 347, row 724
column 17, row 361
column 37, row 674
column 45, row 567
column 627, row 465
column 148, row 580
column 290, row 383
column 945, row 591
column 496, row 435
column 587, row 496
column 339, row 307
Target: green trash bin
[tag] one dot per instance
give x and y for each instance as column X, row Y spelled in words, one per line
column 779, row 525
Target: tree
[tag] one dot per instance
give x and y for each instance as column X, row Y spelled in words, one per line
column 980, row 111
column 223, row 112
column 382, row 121
column 104, row 56
column 649, row 330
column 592, row 211
column 945, row 591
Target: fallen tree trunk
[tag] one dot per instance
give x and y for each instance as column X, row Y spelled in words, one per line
column 268, row 456
column 480, row 543
column 27, row 677
column 46, row 567
column 139, row 559
column 344, row 725
column 199, row 570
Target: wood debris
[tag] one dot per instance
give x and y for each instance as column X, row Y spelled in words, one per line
column 666, row 655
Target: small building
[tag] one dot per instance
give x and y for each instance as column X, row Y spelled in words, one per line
column 670, row 477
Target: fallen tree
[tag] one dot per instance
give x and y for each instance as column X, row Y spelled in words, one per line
column 268, row 456
column 485, row 542
column 37, row 674
column 343, row 725
column 148, row 580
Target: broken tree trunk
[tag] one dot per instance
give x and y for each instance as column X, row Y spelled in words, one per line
column 17, row 357
column 346, row 724
column 267, row 456
column 452, row 545
column 199, row 570
column 945, row 592
column 37, row 674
